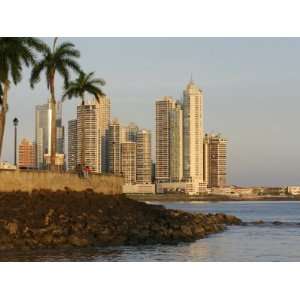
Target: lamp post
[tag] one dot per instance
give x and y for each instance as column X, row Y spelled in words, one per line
column 16, row 122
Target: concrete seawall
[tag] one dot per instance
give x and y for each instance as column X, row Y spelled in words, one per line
column 30, row 180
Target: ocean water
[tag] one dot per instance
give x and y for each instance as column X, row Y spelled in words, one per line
column 266, row 242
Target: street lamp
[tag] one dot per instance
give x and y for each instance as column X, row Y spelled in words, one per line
column 16, row 122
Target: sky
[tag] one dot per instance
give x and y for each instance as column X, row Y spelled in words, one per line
column 250, row 85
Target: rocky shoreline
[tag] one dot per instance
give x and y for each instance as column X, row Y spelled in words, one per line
column 66, row 219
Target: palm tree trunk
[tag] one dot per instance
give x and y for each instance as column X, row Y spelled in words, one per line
column 53, row 126
column 3, row 113
column 53, row 136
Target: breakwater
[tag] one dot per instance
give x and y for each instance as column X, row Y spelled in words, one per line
column 64, row 219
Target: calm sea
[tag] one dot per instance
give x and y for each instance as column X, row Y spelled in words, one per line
column 265, row 242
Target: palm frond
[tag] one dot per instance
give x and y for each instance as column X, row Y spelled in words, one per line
column 37, row 44
column 72, row 64
column 98, row 81
column 84, row 83
column 63, row 71
column 16, row 52
column 36, row 73
column 16, row 70
column 60, row 59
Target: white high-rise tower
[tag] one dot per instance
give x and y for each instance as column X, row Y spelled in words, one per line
column 43, row 133
column 193, row 135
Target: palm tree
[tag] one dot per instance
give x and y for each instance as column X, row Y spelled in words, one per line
column 14, row 53
column 60, row 59
column 85, row 83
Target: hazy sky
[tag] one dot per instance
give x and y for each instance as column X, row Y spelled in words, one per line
column 251, row 95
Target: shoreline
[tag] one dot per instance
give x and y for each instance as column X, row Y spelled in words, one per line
column 67, row 219
column 211, row 198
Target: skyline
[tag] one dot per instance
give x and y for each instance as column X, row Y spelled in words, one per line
column 238, row 95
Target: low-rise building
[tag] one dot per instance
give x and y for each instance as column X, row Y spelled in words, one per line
column 221, row 190
column 293, row 190
column 59, row 161
column 4, row 165
column 139, row 188
column 27, row 155
column 171, row 187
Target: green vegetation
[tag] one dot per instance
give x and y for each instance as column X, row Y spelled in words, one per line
column 15, row 52
column 60, row 59
column 85, row 83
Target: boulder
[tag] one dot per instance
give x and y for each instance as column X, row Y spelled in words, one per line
column 12, row 228
column 78, row 241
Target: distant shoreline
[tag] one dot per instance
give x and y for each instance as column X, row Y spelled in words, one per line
column 208, row 198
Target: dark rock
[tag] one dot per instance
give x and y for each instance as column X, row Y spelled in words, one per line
column 78, row 241
column 12, row 228
column 45, row 219
column 258, row 222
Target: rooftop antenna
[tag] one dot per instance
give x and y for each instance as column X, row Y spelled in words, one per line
column 191, row 78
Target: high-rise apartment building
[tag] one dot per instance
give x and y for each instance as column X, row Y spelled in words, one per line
column 88, row 137
column 27, row 155
column 90, row 130
column 193, row 136
column 143, row 157
column 128, row 162
column 104, row 107
column 43, row 132
column 169, row 160
column 176, row 142
column 72, row 145
column 114, row 145
column 129, row 132
column 163, row 106
column 215, row 160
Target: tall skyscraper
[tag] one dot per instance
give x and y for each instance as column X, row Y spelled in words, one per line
column 60, row 130
column 27, row 155
column 43, row 132
column 215, row 160
column 168, row 140
column 104, row 107
column 193, row 135
column 114, row 145
column 163, row 107
column 143, row 157
column 88, row 136
column 90, row 130
column 129, row 132
column 128, row 162
column 176, row 142
column 72, row 145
